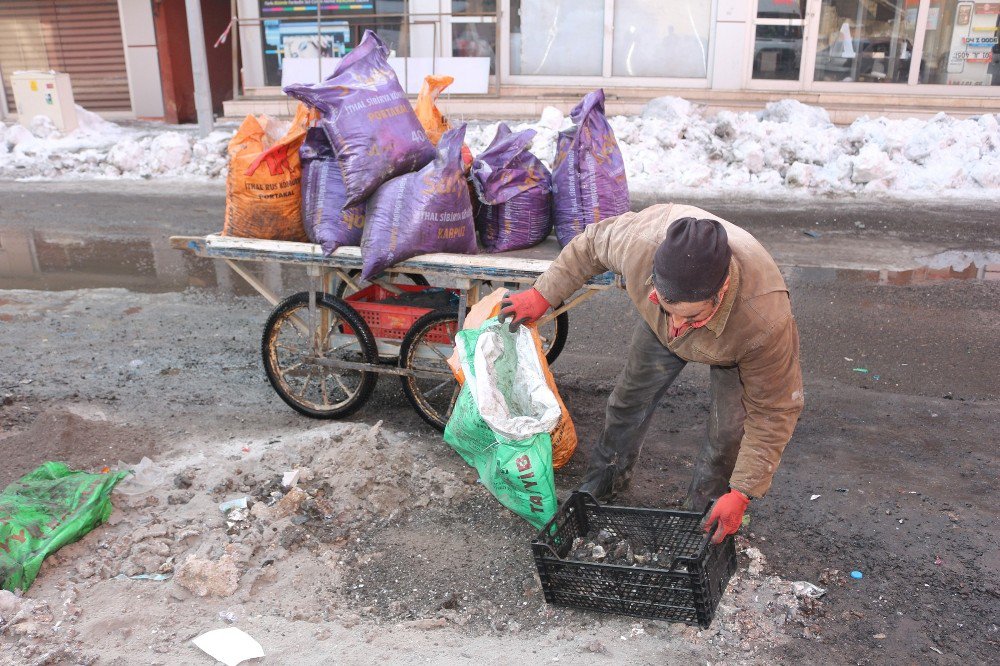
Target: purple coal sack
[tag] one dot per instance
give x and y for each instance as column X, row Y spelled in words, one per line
column 588, row 175
column 326, row 219
column 513, row 186
column 422, row 212
column 368, row 119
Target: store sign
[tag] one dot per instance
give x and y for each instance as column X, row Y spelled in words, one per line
column 980, row 41
column 279, row 7
column 957, row 55
column 973, row 39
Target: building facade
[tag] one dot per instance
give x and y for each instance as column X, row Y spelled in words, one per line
column 132, row 57
column 125, row 58
column 905, row 55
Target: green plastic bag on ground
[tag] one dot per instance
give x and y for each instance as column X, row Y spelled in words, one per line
column 43, row 511
column 501, row 421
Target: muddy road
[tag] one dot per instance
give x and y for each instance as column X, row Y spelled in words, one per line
column 116, row 347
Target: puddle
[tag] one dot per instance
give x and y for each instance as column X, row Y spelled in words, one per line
column 59, row 261
column 914, row 276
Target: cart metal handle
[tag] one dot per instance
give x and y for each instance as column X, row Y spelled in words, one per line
column 383, row 369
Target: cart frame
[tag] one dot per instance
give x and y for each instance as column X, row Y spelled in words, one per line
column 466, row 274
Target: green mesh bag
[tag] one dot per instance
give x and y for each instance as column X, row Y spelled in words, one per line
column 43, row 511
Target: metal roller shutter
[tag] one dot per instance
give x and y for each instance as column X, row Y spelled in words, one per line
column 80, row 37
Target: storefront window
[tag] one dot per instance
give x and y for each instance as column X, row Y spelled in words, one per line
column 473, row 7
column 665, row 38
column 781, row 9
column 865, row 40
column 474, row 30
column 777, row 52
column 780, row 26
column 961, row 44
column 469, row 40
column 557, row 37
column 297, row 29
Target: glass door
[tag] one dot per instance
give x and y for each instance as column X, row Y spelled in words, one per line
column 659, row 43
column 869, row 41
column 961, row 44
column 473, row 28
column 779, row 35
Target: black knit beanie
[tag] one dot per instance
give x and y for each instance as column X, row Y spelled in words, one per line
column 692, row 262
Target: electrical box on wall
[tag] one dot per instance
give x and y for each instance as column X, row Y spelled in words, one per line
column 44, row 94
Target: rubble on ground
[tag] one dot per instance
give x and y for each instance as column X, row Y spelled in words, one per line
column 372, row 532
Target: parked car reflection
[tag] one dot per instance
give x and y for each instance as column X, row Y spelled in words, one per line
column 777, row 52
column 865, row 60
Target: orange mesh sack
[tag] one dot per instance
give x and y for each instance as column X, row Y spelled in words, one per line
column 564, row 438
column 263, row 189
column 431, row 118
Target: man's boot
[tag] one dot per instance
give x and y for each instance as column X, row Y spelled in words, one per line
column 607, row 481
column 599, row 482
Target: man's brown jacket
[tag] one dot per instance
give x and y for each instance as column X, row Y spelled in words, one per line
column 753, row 328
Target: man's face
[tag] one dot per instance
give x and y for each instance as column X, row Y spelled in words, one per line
column 685, row 313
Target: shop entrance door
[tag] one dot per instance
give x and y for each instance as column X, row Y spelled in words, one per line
column 878, row 46
column 780, row 39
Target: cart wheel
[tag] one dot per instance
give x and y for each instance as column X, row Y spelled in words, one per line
column 344, row 290
column 292, row 342
column 553, row 335
column 426, row 348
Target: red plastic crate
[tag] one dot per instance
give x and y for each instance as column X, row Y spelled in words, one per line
column 390, row 321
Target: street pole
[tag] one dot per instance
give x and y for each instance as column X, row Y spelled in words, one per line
column 199, row 66
column 3, row 99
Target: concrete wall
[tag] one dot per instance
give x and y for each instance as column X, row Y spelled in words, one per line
column 731, row 29
column 141, row 59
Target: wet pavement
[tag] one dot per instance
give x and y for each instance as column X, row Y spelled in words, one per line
column 57, row 236
column 47, row 260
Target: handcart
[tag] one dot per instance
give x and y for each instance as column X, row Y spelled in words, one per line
column 323, row 349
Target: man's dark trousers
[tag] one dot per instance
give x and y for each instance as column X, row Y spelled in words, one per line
column 649, row 371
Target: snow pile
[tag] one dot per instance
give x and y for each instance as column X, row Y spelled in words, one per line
column 790, row 148
column 672, row 147
column 102, row 149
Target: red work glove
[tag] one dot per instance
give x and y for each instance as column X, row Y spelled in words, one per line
column 727, row 512
column 522, row 307
column 466, row 158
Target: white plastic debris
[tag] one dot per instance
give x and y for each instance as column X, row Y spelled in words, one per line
column 552, row 118
column 814, row 497
column 231, row 646
column 237, row 515
column 803, row 588
column 290, row 479
column 238, row 503
column 145, row 478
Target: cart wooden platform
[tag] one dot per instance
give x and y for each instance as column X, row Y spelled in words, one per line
column 324, row 349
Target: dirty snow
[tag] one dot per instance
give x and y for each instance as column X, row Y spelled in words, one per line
column 674, row 146
column 102, row 149
column 790, row 148
column 170, row 565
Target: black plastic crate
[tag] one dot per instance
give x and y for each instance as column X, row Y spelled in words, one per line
column 685, row 589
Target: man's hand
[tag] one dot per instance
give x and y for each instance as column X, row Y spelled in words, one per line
column 522, row 307
column 727, row 515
